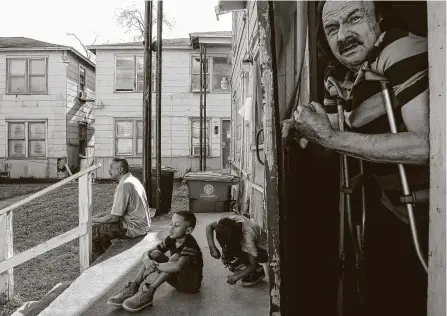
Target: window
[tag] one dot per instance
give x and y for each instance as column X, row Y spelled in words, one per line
column 129, row 137
column 129, row 74
column 195, row 137
column 26, row 139
column 27, row 75
column 195, row 74
column 221, row 73
column 217, row 71
column 81, row 79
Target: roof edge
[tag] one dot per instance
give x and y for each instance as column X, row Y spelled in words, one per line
column 56, row 48
column 94, row 48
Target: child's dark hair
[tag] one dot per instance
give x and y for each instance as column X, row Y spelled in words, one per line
column 229, row 235
column 188, row 217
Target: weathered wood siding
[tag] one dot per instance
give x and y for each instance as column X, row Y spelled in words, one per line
column 293, row 63
column 79, row 111
column 250, row 194
column 178, row 106
column 50, row 107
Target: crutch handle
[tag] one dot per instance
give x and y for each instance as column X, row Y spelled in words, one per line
column 416, row 197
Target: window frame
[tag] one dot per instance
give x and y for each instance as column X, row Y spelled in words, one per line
column 135, row 74
column 210, row 73
column 27, row 75
column 27, row 138
column 134, row 138
column 208, row 144
column 82, row 85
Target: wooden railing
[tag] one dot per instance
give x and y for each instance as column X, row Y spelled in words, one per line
column 7, row 258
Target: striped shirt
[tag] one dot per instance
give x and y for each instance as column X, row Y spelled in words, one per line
column 402, row 58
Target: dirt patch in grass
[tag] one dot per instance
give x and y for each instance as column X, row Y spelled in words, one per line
column 49, row 216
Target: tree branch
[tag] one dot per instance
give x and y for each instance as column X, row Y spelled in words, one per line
column 90, row 56
column 131, row 19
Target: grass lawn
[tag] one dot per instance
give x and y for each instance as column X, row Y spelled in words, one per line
column 47, row 217
column 12, row 190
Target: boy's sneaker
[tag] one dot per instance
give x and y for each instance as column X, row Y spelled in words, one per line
column 142, row 299
column 129, row 290
column 236, row 265
column 253, row 278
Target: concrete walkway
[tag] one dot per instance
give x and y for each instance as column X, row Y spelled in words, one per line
column 216, row 298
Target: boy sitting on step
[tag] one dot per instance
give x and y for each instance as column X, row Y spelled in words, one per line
column 244, row 247
column 182, row 269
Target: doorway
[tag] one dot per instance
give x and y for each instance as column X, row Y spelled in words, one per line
column 82, row 137
column 225, row 143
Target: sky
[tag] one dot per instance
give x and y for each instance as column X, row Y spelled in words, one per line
column 51, row 20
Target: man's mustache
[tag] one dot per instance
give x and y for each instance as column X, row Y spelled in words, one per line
column 348, row 43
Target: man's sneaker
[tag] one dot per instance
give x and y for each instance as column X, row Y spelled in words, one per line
column 236, row 265
column 253, row 278
column 129, row 290
column 142, row 299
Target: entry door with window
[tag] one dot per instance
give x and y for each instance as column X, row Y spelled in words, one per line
column 226, row 138
column 82, row 140
column 82, row 147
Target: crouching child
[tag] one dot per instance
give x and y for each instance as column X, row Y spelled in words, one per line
column 181, row 268
column 244, row 247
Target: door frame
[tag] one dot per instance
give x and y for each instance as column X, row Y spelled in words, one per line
column 221, row 134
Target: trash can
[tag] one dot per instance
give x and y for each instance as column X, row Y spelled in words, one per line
column 209, row 192
column 166, row 181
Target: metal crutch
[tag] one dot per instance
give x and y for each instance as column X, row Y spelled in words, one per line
column 346, row 191
column 387, row 91
column 345, row 207
column 357, row 234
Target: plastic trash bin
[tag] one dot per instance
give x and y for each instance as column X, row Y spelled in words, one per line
column 209, row 192
column 167, row 182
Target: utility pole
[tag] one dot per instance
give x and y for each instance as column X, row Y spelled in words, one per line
column 204, row 109
column 201, row 107
column 158, row 99
column 147, row 103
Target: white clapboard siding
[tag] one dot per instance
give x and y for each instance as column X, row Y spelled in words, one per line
column 178, row 106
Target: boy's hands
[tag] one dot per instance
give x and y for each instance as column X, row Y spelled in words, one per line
column 231, row 280
column 215, row 253
column 146, row 260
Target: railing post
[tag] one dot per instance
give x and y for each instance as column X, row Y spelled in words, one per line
column 6, row 251
column 85, row 220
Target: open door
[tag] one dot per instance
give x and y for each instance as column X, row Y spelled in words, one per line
column 226, row 134
column 272, row 153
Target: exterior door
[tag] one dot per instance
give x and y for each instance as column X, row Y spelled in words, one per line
column 82, row 136
column 226, row 137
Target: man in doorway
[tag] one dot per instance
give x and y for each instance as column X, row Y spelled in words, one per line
column 129, row 217
column 354, row 35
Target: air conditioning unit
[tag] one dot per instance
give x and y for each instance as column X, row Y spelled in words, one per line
column 4, row 170
column 229, row 6
column 82, row 95
column 196, row 150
